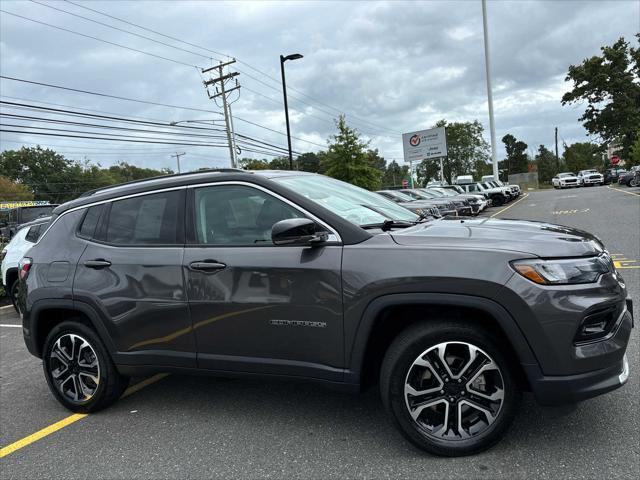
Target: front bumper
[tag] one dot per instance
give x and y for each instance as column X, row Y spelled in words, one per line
column 593, row 181
column 576, row 388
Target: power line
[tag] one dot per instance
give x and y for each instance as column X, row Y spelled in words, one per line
column 100, row 39
column 242, row 138
column 194, row 109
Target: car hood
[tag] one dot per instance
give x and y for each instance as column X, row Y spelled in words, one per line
column 568, row 177
column 541, row 239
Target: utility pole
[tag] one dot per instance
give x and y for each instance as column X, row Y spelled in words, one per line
column 487, row 60
column 557, row 157
column 223, row 92
column 177, row 157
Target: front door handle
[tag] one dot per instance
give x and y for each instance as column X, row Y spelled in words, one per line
column 97, row 263
column 206, row 266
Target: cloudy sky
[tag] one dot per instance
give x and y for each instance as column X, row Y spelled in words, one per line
column 390, row 67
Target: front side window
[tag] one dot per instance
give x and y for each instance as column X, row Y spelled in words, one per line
column 238, row 215
column 146, row 220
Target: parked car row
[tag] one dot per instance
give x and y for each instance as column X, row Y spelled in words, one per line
column 584, row 178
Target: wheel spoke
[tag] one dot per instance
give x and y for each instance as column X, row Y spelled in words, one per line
column 74, row 367
column 458, row 409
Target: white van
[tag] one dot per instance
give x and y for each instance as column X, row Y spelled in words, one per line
column 462, row 179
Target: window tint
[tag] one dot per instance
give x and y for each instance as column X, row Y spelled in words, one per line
column 237, row 215
column 145, row 220
column 90, row 221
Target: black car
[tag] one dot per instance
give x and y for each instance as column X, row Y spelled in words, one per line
column 300, row 276
column 462, row 205
column 419, row 207
column 611, row 175
column 630, row 178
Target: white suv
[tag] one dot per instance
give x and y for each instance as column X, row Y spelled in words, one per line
column 13, row 252
column 590, row 177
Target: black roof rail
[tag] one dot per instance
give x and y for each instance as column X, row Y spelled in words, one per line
column 171, row 175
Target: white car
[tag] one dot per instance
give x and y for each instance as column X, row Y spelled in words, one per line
column 565, row 180
column 13, row 252
column 590, row 177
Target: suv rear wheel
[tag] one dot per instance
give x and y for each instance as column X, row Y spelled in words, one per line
column 448, row 387
column 78, row 369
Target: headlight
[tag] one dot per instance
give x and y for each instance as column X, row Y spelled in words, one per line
column 563, row 272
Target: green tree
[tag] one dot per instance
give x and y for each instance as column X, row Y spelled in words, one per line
column 125, row 172
column 254, row 164
column 347, row 158
column 610, row 84
column 394, row 174
column 546, row 163
column 581, row 156
column 47, row 174
column 465, row 145
column 428, row 170
column 634, row 154
column 12, row 191
column 280, row 163
column 517, row 159
column 309, row 162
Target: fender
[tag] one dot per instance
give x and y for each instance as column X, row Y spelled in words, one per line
column 58, row 304
column 498, row 312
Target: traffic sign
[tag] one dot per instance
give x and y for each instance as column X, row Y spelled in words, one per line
column 615, row 160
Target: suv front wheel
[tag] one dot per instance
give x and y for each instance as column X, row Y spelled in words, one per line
column 448, row 387
column 78, row 369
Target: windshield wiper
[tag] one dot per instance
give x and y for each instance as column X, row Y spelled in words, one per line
column 389, row 224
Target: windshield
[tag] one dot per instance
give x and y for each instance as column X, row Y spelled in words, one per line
column 487, row 185
column 444, row 192
column 433, row 194
column 399, row 195
column 352, row 203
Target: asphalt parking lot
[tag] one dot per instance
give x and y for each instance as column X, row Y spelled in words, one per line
column 184, row 427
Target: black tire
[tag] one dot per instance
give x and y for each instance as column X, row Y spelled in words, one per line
column 409, row 346
column 13, row 294
column 110, row 385
column 498, row 201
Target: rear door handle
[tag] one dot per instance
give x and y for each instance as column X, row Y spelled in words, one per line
column 97, row 263
column 207, row 266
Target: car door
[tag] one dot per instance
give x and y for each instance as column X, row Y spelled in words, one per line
column 131, row 271
column 257, row 307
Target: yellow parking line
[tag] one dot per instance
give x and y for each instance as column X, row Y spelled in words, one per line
column 513, row 204
column 623, row 191
column 34, row 437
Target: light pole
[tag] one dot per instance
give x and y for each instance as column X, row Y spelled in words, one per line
column 487, row 64
column 293, row 56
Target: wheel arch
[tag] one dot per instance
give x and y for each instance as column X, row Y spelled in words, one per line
column 47, row 313
column 386, row 316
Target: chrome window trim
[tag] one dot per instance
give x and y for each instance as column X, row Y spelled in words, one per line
column 334, row 236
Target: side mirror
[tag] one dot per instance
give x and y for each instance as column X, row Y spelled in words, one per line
column 297, row 231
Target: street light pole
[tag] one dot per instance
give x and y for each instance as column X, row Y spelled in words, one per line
column 487, row 60
column 294, row 56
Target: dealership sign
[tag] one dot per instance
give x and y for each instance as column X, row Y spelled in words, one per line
column 424, row 144
column 26, row 203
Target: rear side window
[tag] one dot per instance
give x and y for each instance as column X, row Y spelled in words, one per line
column 34, row 233
column 90, row 221
column 146, row 220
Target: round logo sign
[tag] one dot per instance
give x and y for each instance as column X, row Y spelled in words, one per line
column 415, row 140
column 615, row 160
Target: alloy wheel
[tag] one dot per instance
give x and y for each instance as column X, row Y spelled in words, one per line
column 74, row 368
column 454, row 391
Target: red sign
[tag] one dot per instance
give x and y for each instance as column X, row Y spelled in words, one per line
column 615, row 160
column 405, row 183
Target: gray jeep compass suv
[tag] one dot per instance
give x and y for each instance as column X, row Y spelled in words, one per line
column 300, row 276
